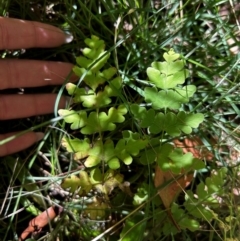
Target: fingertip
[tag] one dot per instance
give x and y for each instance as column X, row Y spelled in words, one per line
column 39, row 136
column 68, row 38
column 30, row 34
column 18, row 143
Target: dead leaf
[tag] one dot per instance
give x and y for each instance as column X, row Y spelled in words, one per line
column 169, row 193
column 196, row 147
column 37, row 223
column 97, row 209
column 174, row 184
column 177, row 183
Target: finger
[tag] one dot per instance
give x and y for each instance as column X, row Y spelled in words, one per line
column 19, row 143
column 17, row 34
column 21, row 106
column 32, row 73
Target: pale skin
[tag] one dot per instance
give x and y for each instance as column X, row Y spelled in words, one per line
column 19, row 34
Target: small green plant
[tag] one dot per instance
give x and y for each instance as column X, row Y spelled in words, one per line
column 113, row 133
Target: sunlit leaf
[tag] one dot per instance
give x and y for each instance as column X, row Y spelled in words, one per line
column 114, row 163
column 79, row 147
column 112, row 179
column 93, row 53
column 99, row 122
column 172, row 99
column 169, row 74
column 141, row 195
column 76, row 119
column 129, row 146
column 171, row 123
column 171, row 56
column 96, row 176
column 85, row 183
column 71, row 183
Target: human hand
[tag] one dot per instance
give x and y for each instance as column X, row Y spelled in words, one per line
column 19, row 34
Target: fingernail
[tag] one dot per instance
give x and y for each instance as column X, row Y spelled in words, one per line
column 39, row 136
column 68, row 38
